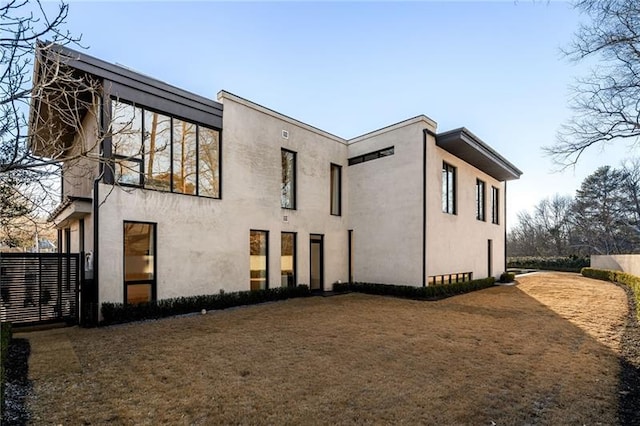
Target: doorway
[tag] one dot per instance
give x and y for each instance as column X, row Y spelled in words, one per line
column 316, row 279
column 490, row 257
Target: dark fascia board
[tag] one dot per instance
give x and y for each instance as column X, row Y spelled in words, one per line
column 126, row 77
column 468, row 147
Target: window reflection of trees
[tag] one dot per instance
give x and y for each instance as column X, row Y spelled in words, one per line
column 169, row 154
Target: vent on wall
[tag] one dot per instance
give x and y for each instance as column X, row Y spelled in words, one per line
column 285, row 134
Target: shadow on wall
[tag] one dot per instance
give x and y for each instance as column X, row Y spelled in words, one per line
column 629, row 263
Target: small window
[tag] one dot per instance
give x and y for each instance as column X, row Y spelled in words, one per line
column 371, row 156
column 336, row 190
column 495, row 200
column 259, row 260
column 139, row 262
column 288, row 187
column 480, row 207
column 448, row 188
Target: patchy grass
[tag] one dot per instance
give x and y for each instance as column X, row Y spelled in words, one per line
column 544, row 351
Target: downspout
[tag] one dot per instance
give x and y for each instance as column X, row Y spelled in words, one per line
column 505, row 226
column 96, row 246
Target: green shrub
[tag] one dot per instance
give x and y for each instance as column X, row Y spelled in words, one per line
column 557, row 263
column 420, row 293
column 631, row 281
column 115, row 313
column 341, row 287
column 507, row 277
column 5, row 339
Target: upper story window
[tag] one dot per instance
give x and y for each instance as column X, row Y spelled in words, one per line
column 288, row 185
column 495, row 192
column 161, row 152
column 480, row 205
column 448, row 188
column 336, row 190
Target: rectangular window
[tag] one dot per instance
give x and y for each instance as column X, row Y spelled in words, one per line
column 385, row 152
column 157, row 151
column 259, row 259
column 288, row 259
column 288, row 187
column 139, row 262
column 126, row 143
column 336, row 190
column 494, row 205
column 160, row 152
column 480, row 208
column 448, row 188
column 184, row 157
column 208, row 162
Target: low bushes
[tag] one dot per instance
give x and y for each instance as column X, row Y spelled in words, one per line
column 558, row 263
column 631, row 281
column 507, row 277
column 420, row 293
column 114, row 313
column 5, row 339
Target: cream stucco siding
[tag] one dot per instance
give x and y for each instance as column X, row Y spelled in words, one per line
column 459, row 242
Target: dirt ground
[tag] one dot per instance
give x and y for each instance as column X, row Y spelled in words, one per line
column 544, row 351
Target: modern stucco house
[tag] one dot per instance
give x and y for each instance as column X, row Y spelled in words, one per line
column 187, row 195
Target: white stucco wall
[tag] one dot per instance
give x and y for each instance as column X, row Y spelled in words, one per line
column 629, row 263
column 458, row 242
column 203, row 244
column 386, row 205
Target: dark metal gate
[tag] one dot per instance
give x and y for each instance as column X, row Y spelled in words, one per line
column 37, row 288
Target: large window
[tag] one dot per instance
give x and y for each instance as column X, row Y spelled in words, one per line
column 480, row 207
column 288, row 187
column 448, row 188
column 139, row 262
column 495, row 212
column 336, row 190
column 259, row 260
column 160, row 152
column 288, row 259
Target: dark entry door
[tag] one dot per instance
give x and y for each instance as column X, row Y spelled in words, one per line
column 316, row 279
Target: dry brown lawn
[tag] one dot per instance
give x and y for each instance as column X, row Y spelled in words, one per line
column 540, row 352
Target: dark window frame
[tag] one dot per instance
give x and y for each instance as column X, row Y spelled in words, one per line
column 495, row 205
column 154, row 281
column 294, row 179
column 481, row 196
column 451, row 204
column 266, row 284
column 338, row 210
column 295, row 256
column 108, row 153
column 374, row 155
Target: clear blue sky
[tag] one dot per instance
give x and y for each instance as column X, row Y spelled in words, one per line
column 349, row 68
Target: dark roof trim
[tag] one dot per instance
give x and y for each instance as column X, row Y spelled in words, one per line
column 468, row 147
column 124, row 76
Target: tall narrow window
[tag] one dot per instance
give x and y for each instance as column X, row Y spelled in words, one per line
column 259, row 259
column 208, row 162
column 157, row 151
column 288, row 187
column 126, row 142
column 184, row 157
column 480, row 208
column 495, row 212
column 336, row 190
column 448, row 188
column 139, row 262
column 288, row 259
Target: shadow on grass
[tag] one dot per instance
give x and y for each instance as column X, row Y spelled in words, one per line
column 18, row 385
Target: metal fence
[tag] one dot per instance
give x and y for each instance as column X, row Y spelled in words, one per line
column 39, row 287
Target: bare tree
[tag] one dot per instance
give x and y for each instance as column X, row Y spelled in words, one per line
column 606, row 103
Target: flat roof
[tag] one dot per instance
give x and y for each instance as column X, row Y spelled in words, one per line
column 467, row 146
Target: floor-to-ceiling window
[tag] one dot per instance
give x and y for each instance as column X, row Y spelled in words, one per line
column 259, row 259
column 288, row 259
column 139, row 262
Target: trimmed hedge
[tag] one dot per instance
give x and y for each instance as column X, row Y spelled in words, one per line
column 5, row 339
column 557, row 263
column 631, row 281
column 115, row 313
column 431, row 292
